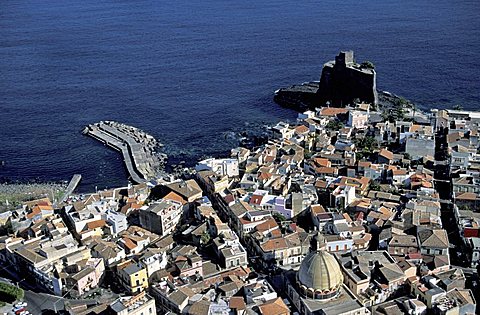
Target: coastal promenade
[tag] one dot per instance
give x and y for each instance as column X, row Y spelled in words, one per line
column 138, row 148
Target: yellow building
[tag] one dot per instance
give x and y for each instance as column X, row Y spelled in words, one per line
column 133, row 276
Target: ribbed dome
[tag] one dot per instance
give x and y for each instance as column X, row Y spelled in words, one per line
column 320, row 274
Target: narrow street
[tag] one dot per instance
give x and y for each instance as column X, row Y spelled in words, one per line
column 444, row 188
column 458, row 249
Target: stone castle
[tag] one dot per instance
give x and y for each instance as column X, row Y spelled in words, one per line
column 342, row 81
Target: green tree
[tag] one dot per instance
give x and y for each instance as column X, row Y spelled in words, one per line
column 365, row 146
column 205, row 238
column 10, row 293
column 367, row 64
column 335, row 125
column 374, row 185
column 279, row 217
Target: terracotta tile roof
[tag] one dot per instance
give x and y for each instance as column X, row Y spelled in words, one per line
column 237, row 303
column 129, row 243
column 326, row 170
column 441, row 260
column 229, row 198
column 276, row 233
column 175, row 197
column 268, row 224
column 256, row 200
column 333, row 111
column 414, row 128
column 360, row 183
column 348, row 218
column 386, row 211
column 301, row 129
column 45, row 207
column 35, row 211
column 269, row 158
column 274, row 307
column 316, row 209
column 399, row 172
column 466, row 196
column 364, row 203
column 264, row 176
column 274, row 244
column 363, row 240
column 96, row 224
column 422, row 183
column 244, row 221
column 386, row 154
column 43, row 201
column 322, row 162
column 136, row 205
column 321, row 184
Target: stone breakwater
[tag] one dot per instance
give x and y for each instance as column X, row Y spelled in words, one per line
column 139, row 149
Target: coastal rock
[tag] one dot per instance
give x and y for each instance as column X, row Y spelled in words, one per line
column 341, row 82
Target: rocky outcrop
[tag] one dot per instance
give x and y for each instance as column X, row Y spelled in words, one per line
column 341, row 82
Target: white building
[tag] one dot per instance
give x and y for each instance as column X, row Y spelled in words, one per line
column 154, row 259
column 141, row 304
column 161, row 217
column 357, row 119
column 117, row 221
column 222, row 167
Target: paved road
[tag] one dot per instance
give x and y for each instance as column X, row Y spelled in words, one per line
column 38, row 302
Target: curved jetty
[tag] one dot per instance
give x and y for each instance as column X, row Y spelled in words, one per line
column 138, row 148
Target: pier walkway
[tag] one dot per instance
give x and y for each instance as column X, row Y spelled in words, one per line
column 119, row 146
column 137, row 147
column 71, row 186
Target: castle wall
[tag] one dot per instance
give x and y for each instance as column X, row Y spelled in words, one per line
column 343, row 81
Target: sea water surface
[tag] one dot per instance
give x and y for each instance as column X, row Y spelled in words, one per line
column 190, row 72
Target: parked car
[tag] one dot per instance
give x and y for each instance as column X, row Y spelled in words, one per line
column 19, row 311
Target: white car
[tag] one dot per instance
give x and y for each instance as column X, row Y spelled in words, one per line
column 21, row 304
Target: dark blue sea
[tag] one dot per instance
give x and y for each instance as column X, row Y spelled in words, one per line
column 192, row 72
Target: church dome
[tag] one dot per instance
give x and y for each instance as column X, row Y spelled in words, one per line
column 320, row 276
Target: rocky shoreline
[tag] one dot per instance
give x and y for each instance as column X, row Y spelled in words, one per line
column 15, row 193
